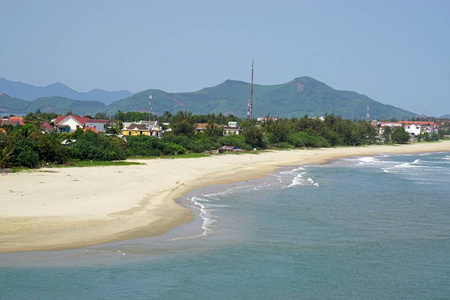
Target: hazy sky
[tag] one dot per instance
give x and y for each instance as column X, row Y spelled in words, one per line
column 396, row 52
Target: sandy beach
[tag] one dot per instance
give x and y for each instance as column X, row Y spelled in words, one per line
column 54, row 209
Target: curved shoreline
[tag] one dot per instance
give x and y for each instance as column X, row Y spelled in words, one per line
column 58, row 209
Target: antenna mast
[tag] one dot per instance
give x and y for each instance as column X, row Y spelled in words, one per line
column 150, row 106
column 368, row 114
column 250, row 103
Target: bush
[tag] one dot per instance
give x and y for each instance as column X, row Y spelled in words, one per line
column 6, row 151
column 51, row 150
column 316, row 141
column 183, row 141
column 235, row 140
column 93, row 146
column 298, row 139
column 148, row 146
column 198, row 143
column 400, row 136
column 25, row 152
column 284, row 145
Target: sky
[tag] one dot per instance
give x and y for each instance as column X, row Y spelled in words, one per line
column 395, row 52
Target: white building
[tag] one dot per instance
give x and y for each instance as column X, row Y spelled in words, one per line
column 231, row 129
column 75, row 122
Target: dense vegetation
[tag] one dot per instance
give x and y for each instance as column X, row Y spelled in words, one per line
column 30, row 146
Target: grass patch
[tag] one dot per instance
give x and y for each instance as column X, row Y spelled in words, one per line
column 186, row 155
column 21, row 169
column 96, row 163
column 178, row 156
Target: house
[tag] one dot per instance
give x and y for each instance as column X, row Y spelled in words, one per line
column 415, row 128
column 75, row 122
column 231, row 129
column 13, row 121
column 47, row 127
column 91, row 129
column 392, row 125
column 202, row 127
column 150, row 128
column 266, row 119
column 99, row 125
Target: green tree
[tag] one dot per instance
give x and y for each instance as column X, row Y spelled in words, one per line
column 400, row 136
column 183, row 124
column 6, row 150
column 147, row 146
column 25, row 152
column 387, row 134
column 119, row 116
column 93, row 146
column 253, row 135
column 50, row 148
column 278, row 131
column 101, row 116
column 213, row 131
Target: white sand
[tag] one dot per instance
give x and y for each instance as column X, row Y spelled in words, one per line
column 66, row 208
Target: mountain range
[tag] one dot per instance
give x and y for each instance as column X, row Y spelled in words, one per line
column 299, row 97
column 30, row 92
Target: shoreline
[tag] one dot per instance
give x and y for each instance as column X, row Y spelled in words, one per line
column 58, row 209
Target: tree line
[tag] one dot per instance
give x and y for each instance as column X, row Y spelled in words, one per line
column 30, row 146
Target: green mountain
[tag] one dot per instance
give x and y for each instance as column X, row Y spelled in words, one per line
column 9, row 104
column 61, row 105
column 50, row 104
column 299, row 97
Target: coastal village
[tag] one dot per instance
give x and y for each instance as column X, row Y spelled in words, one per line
column 142, row 157
column 71, row 123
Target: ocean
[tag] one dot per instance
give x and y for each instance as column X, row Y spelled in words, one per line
column 355, row 228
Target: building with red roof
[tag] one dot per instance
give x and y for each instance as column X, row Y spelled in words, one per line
column 75, row 122
column 414, row 128
column 14, row 121
column 91, row 129
column 47, row 126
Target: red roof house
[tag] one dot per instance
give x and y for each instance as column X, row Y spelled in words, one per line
column 76, row 122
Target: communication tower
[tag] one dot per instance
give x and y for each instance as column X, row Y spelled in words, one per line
column 250, row 101
column 368, row 114
column 150, row 106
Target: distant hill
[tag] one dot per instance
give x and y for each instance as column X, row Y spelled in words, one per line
column 31, row 92
column 301, row 96
column 445, row 116
column 58, row 105
column 11, row 104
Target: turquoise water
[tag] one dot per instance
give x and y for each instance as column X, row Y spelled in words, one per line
column 357, row 228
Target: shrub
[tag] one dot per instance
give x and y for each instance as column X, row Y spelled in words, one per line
column 149, row 146
column 25, row 152
column 235, row 140
column 92, row 146
column 284, row 145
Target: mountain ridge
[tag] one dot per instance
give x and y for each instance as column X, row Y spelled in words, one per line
column 29, row 92
column 300, row 96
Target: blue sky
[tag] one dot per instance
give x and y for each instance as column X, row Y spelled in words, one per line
column 396, row 52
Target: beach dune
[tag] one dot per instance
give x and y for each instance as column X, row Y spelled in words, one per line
column 54, row 209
